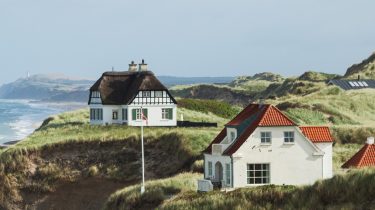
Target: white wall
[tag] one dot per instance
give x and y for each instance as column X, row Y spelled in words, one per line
column 327, row 159
column 154, row 115
column 292, row 164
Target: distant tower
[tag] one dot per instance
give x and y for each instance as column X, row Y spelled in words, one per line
column 28, row 76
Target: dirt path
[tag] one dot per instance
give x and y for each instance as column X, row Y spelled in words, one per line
column 88, row 194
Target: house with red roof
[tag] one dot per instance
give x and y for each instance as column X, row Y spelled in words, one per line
column 365, row 157
column 262, row 146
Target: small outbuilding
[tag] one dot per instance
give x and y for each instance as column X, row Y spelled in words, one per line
column 365, row 157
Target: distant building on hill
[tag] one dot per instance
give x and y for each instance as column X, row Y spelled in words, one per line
column 263, row 146
column 353, row 84
column 365, row 157
column 117, row 98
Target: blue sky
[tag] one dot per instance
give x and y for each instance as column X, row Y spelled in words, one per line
column 183, row 37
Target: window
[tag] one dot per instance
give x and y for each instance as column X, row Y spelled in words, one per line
column 146, row 93
column 95, row 94
column 227, row 173
column 115, row 115
column 158, row 94
column 96, row 114
column 265, row 137
column 258, row 173
column 288, row 136
column 232, row 136
column 136, row 114
column 124, row 114
column 167, row 113
column 209, row 168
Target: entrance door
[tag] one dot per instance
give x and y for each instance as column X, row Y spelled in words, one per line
column 218, row 171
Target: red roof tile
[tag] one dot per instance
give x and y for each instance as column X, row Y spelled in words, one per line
column 274, row 117
column 364, row 157
column 266, row 115
column 317, row 134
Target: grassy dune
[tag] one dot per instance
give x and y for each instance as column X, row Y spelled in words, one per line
column 350, row 191
column 156, row 192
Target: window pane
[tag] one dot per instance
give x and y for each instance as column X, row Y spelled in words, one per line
column 258, row 181
column 258, row 173
column 258, row 166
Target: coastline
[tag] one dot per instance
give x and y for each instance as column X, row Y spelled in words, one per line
column 23, row 117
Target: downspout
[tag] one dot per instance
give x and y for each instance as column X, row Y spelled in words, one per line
column 204, row 166
column 231, row 171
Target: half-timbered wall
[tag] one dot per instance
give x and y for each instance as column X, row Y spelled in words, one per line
column 152, row 97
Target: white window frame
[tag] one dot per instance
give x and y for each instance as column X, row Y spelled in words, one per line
column 138, row 114
column 289, row 139
column 113, row 114
column 266, row 137
column 258, row 173
column 209, row 166
column 158, row 94
column 228, row 174
column 164, row 114
column 232, row 136
column 146, row 94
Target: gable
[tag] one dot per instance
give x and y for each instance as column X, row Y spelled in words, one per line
column 255, row 116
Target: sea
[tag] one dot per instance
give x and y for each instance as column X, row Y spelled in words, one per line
column 19, row 118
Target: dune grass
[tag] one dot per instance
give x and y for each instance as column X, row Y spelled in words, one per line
column 354, row 190
column 156, row 192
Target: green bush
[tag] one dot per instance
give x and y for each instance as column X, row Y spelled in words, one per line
column 221, row 109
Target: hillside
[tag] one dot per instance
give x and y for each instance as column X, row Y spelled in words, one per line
column 43, row 170
column 66, row 161
column 365, row 69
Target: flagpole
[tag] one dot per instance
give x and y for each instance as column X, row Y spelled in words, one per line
column 143, row 155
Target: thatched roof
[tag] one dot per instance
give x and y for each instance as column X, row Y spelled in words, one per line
column 118, row 88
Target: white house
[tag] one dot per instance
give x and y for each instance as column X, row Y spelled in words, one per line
column 263, row 146
column 117, row 98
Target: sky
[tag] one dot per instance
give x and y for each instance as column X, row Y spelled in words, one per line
column 183, row 37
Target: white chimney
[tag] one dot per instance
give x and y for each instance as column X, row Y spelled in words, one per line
column 132, row 66
column 142, row 66
column 370, row 140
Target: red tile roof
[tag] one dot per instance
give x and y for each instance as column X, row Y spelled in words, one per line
column 364, row 157
column 274, row 117
column 317, row 134
column 265, row 115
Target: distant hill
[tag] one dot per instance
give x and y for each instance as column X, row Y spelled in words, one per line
column 58, row 87
column 44, row 87
column 317, row 76
column 171, row 81
column 365, row 69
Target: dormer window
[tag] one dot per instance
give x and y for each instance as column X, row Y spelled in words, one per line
column 95, row 94
column 232, row 136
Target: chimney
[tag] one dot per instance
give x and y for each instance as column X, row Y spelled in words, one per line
column 370, row 140
column 142, row 66
column 132, row 66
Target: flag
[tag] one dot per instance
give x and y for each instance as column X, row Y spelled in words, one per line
column 144, row 117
